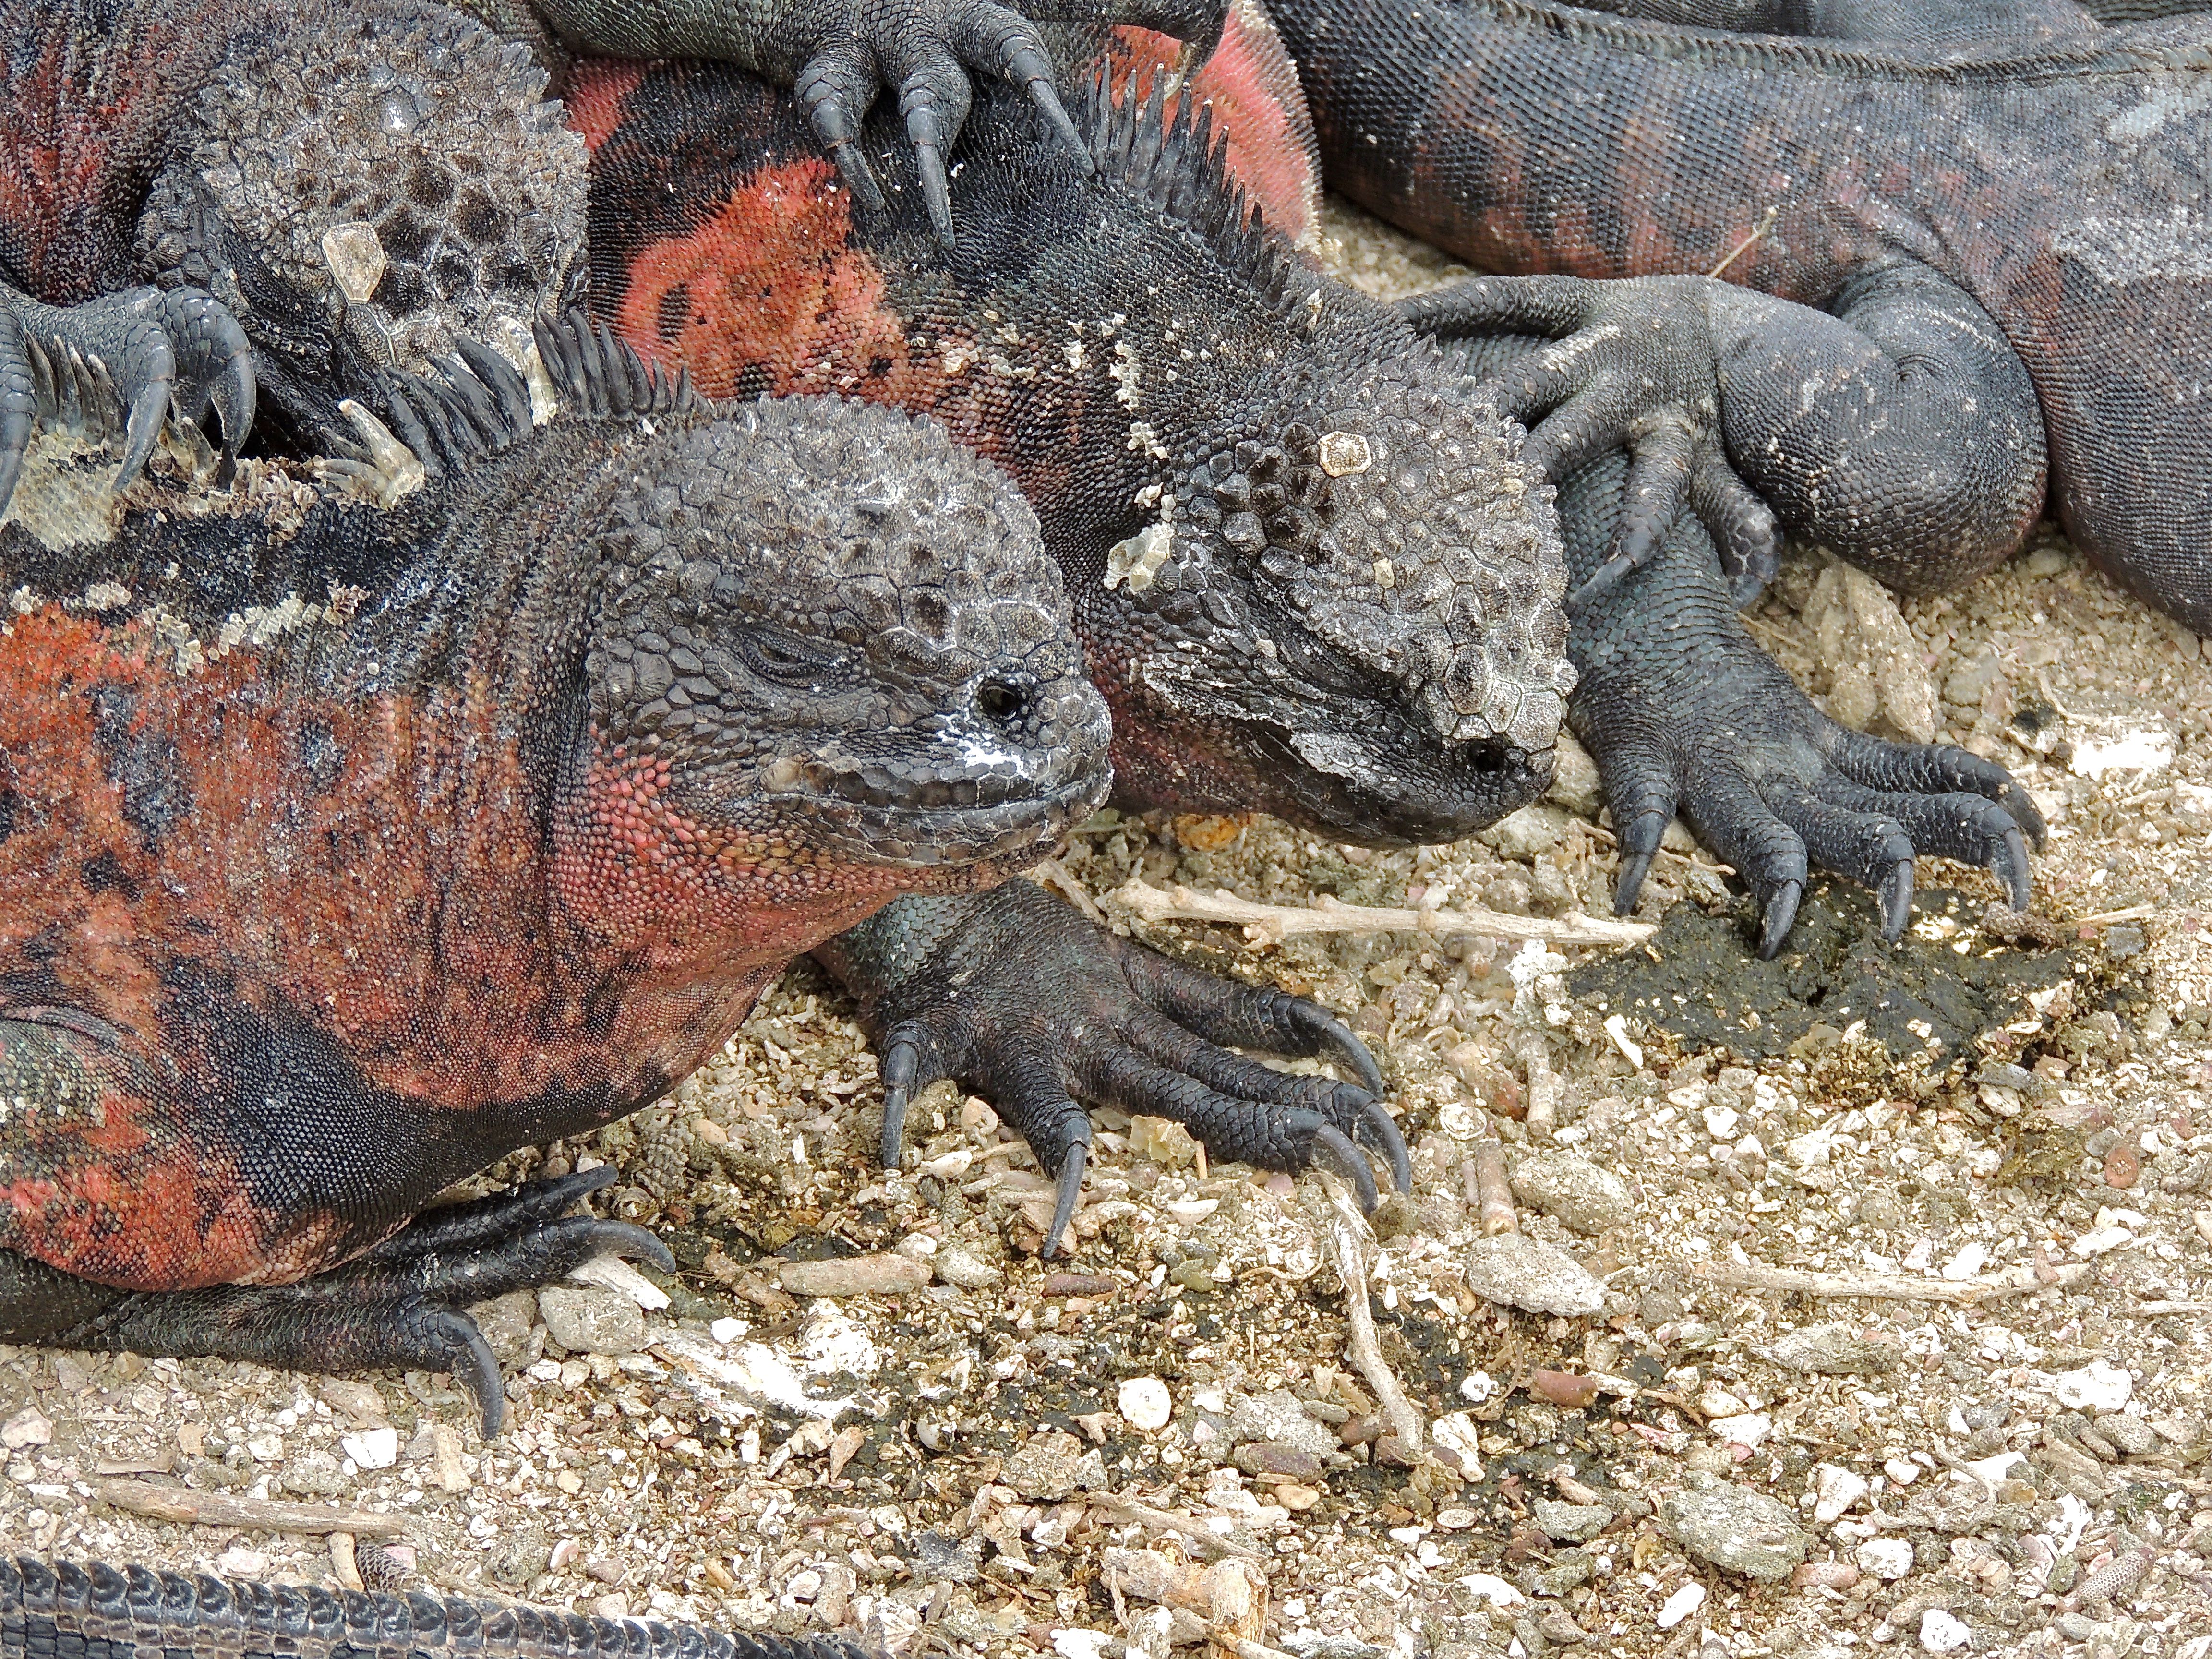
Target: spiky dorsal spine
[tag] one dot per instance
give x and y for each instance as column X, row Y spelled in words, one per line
column 1176, row 163
column 478, row 405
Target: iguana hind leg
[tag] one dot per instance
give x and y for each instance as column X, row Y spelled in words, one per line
column 401, row 1306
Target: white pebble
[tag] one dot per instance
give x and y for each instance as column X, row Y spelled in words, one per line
column 28, row 1427
column 1902, row 1471
column 1491, row 1588
column 1145, row 1403
column 1835, row 1490
column 727, row 1331
column 1942, row 1633
column 1682, row 1604
column 372, row 1449
column 2098, row 1386
column 1885, row 1558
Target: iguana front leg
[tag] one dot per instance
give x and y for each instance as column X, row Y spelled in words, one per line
column 131, row 359
column 1898, row 430
column 838, row 54
column 1683, row 711
column 1013, row 994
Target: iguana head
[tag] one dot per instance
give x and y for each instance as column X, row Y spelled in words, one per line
column 1350, row 609
column 832, row 637
column 363, row 186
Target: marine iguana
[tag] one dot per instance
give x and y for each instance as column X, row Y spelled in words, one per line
column 96, row 1611
column 1987, row 222
column 358, row 187
column 1141, row 344
column 346, row 846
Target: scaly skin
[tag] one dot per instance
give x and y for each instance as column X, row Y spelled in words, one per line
column 1309, row 572
column 137, row 144
column 102, row 1612
column 1932, row 175
column 349, row 848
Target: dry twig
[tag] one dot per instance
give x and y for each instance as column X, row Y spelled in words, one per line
column 1202, row 1538
column 1351, row 1248
column 211, row 1508
column 1271, row 924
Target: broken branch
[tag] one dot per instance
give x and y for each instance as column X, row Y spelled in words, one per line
column 209, row 1509
column 1271, row 924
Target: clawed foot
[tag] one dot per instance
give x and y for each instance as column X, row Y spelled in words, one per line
column 1683, row 712
column 1627, row 365
column 1037, row 1009
column 122, row 361
column 399, row 1306
column 924, row 50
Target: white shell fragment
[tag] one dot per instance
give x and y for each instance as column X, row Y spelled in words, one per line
column 1145, row 1403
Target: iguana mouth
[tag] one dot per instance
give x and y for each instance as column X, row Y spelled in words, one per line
column 998, row 837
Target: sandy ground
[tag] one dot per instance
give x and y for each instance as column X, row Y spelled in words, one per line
column 2003, row 1452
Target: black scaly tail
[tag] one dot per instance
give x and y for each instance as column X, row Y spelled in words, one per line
column 102, row 1612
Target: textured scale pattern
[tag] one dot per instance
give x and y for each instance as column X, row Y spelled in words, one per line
column 69, row 1611
column 2055, row 170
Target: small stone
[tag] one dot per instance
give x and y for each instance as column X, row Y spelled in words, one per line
column 1258, row 1457
column 855, row 1275
column 1574, row 1192
column 1456, row 1520
column 372, row 1449
column 362, row 1401
column 1736, row 1529
column 1887, row 1558
column 1902, row 1471
column 28, row 1427
column 611, row 1273
column 938, row 1559
column 1573, row 1523
column 1830, row 1351
column 1526, row 834
column 1051, row 1465
column 1145, row 1403
column 1682, row 1604
column 1574, row 779
column 2129, row 1433
column 1280, row 1417
column 1941, row 1632
column 589, row 1320
column 1752, row 1428
column 1491, row 1588
column 1835, row 1491
column 1517, row 1272
column 266, row 1447
column 2098, row 1386
column 614, row 1606
column 506, row 1322
column 727, row 1331
column 239, row 1562
column 957, row 1265
column 1297, row 1498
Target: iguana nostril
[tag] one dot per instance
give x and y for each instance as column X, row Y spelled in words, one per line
column 1005, row 702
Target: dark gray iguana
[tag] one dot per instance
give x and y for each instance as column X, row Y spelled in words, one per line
column 346, row 846
column 1964, row 248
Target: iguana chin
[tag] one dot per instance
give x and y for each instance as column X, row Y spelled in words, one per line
column 347, row 845
column 1982, row 226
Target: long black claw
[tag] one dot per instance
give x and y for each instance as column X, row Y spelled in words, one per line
column 2026, row 813
column 935, row 192
column 1055, row 116
column 1895, row 898
column 1382, row 1133
column 147, row 411
column 1780, row 911
column 1069, row 1194
column 475, row 1368
column 2010, row 867
column 1347, row 1161
column 633, row 1244
column 1341, row 1040
column 902, row 1066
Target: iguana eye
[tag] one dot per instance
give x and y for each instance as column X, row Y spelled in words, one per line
column 776, row 654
